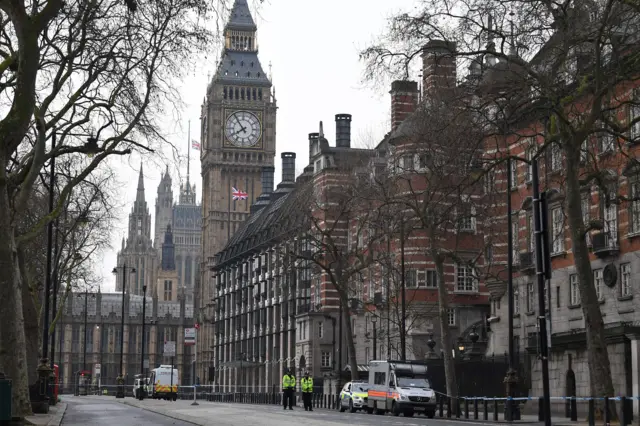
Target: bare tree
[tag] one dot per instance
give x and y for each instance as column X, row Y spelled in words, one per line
column 570, row 62
column 340, row 237
column 77, row 70
column 436, row 175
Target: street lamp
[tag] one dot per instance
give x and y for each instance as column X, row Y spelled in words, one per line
column 120, row 379
column 375, row 337
column 84, row 355
column 144, row 305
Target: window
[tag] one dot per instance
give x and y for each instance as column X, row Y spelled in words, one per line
column 531, row 294
column 557, row 227
column 634, row 114
column 584, row 151
column 625, row 279
column 586, row 215
column 574, row 290
column 410, row 278
column 516, row 300
column 407, row 162
column 490, row 182
column 367, row 354
column 531, row 233
column 606, row 141
column 634, row 208
column 556, row 157
column 530, row 154
column 139, row 226
column 431, row 278
column 325, row 359
column 300, row 330
column 168, row 290
column 514, row 173
column 610, row 214
column 451, row 317
column 320, row 330
column 467, row 220
column 515, row 249
column 598, row 283
column 465, row 278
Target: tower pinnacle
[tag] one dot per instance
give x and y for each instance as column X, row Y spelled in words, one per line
column 140, row 192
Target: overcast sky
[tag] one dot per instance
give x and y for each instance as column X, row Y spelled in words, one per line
column 313, row 49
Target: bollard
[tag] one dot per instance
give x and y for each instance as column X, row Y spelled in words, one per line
column 194, row 397
column 448, row 407
column 441, row 403
column 486, row 409
column 623, row 411
column 607, row 414
column 457, row 407
column 495, row 410
column 592, row 413
column 573, row 409
column 540, row 409
column 475, row 408
column 466, row 408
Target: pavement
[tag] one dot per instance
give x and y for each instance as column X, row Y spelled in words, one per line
column 107, row 410
column 53, row 418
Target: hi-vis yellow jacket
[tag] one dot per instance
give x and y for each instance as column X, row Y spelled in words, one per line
column 288, row 382
column 306, row 384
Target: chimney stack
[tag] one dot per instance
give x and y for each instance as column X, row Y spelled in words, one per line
column 343, row 130
column 288, row 166
column 404, row 100
column 438, row 67
column 267, row 179
column 313, row 137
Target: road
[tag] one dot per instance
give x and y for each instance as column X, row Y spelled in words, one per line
column 108, row 410
column 83, row 411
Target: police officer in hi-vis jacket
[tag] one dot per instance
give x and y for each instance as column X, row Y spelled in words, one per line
column 288, row 389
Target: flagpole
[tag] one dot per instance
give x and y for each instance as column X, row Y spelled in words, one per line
column 188, row 154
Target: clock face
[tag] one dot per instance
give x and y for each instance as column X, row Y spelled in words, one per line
column 243, row 129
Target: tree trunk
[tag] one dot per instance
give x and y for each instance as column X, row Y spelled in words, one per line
column 11, row 316
column 597, row 355
column 32, row 330
column 346, row 317
column 445, row 334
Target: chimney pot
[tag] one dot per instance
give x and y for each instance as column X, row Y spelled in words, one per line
column 343, row 130
column 267, row 179
column 288, row 166
column 404, row 100
column 438, row 66
column 313, row 137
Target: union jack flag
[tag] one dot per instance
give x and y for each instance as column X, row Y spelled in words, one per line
column 195, row 144
column 238, row 195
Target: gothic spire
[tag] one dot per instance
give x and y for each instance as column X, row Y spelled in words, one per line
column 140, row 193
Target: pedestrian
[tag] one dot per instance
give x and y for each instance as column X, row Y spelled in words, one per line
column 288, row 389
column 307, row 391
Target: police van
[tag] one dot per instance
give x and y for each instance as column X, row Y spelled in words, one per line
column 164, row 381
column 400, row 387
column 354, row 396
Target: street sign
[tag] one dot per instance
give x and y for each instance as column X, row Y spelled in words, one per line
column 189, row 336
column 169, row 348
column 96, row 369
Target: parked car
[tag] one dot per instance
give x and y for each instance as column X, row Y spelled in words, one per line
column 354, row 397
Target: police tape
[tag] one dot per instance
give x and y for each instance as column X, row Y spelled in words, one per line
column 536, row 398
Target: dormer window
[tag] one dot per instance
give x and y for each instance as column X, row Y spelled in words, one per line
column 248, row 73
column 242, row 63
column 226, row 72
column 258, row 75
column 233, row 63
column 251, row 64
column 236, row 73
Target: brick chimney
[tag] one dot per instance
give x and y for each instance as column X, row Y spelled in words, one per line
column 404, row 100
column 438, row 67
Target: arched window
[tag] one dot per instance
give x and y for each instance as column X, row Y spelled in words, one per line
column 225, row 93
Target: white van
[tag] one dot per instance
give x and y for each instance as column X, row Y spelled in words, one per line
column 400, row 387
column 165, row 381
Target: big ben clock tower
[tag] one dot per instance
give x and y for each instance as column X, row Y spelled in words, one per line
column 238, row 122
column 238, row 139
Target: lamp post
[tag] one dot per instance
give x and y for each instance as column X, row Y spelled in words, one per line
column 375, row 337
column 120, row 378
column 144, row 305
